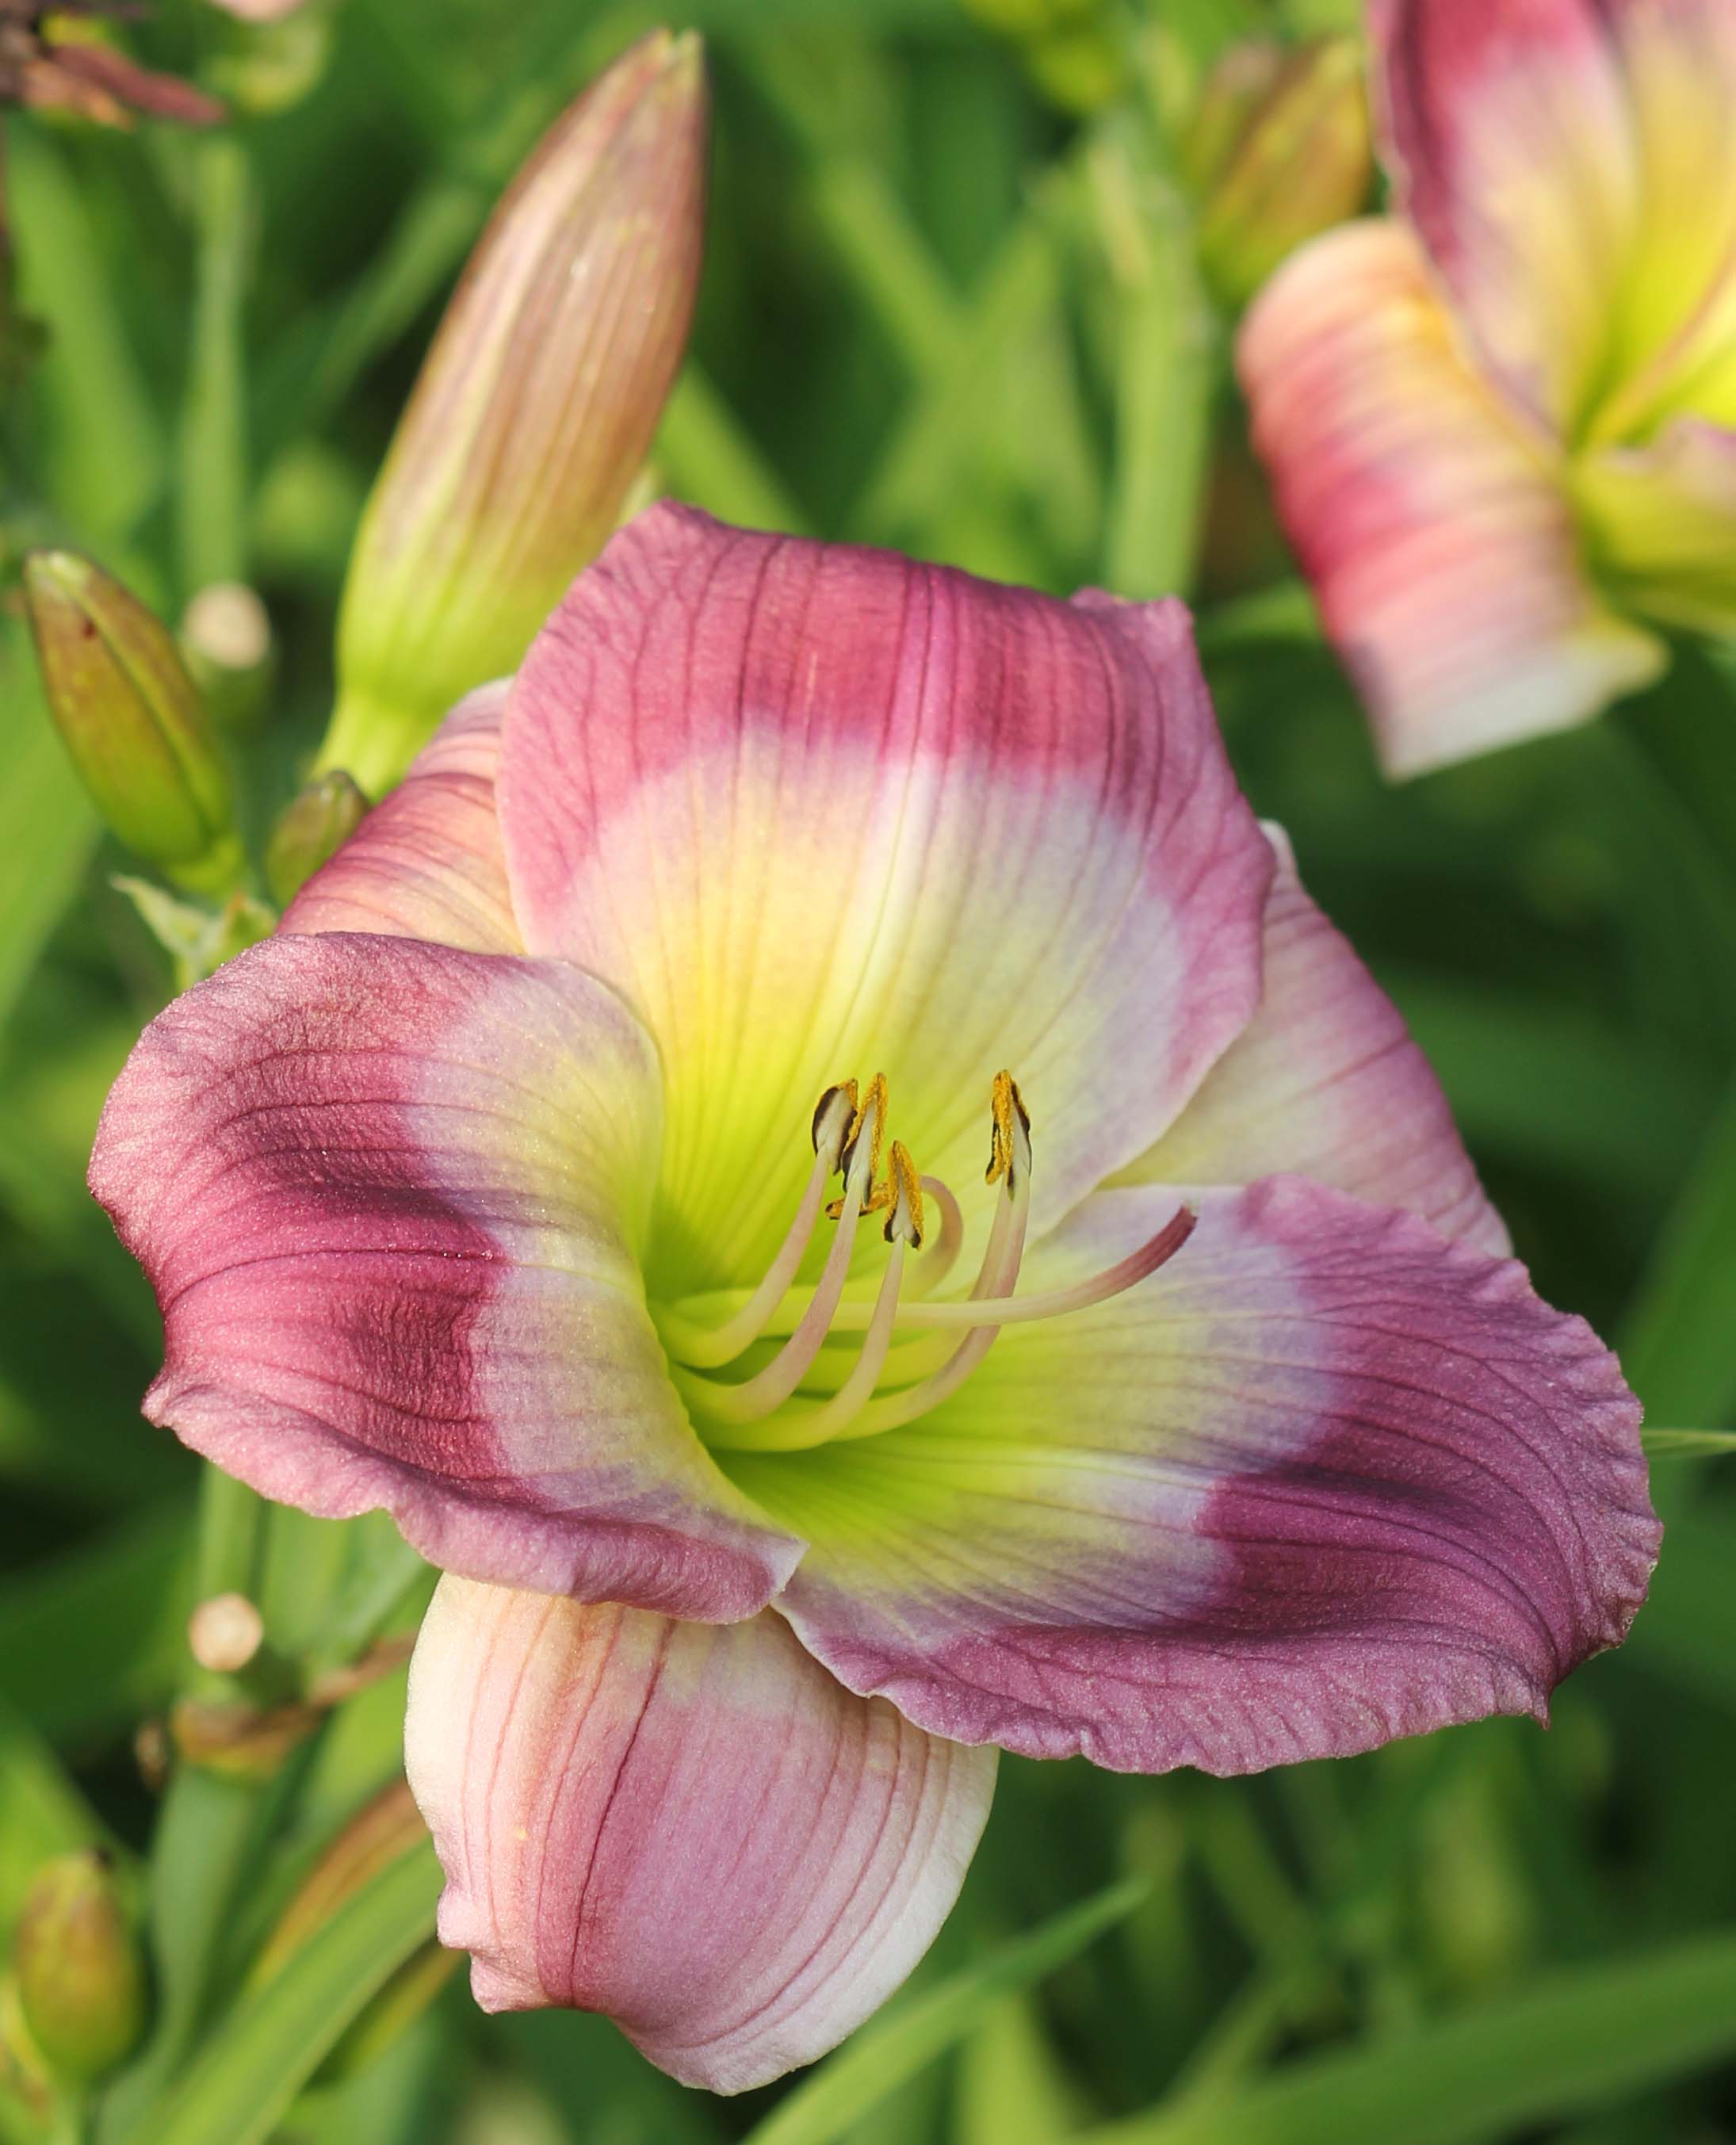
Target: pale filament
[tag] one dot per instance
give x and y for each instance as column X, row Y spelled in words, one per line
column 708, row 1348
column 769, row 1388
column 760, row 1414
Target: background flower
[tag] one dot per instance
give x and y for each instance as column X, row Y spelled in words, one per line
column 1497, row 423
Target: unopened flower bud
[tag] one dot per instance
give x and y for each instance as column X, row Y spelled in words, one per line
column 1278, row 151
column 81, row 1974
column 132, row 719
column 314, row 826
column 534, row 410
column 224, row 1633
column 226, row 637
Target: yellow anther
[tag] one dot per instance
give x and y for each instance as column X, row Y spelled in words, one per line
column 1009, row 1133
column 904, row 1195
column 870, row 1113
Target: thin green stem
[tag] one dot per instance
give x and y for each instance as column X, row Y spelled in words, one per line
column 212, row 502
column 1165, row 364
column 231, row 1534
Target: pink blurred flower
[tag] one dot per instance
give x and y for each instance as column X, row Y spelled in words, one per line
column 259, row 10
column 471, row 1195
column 1499, row 423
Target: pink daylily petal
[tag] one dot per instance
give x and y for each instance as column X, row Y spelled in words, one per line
column 818, row 812
column 390, row 1197
column 1571, row 167
column 425, row 862
column 1325, row 1082
column 1507, row 133
column 1439, row 538
column 693, row 1829
column 1324, row 1479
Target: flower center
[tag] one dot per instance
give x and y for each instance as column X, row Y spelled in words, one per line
column 813, row 1388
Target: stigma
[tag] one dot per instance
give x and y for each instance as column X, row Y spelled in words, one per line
column 833, row 1371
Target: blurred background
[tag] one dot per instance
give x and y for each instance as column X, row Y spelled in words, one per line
column 973, row 273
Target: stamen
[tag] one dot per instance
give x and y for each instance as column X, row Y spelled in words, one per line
column 772, row 1386
column 795, row 1429
column 1009, row 1138
column 755, row 1415
column 870, row 1116
column 905, row 1220
column 707, row 1348
column 943, row 1256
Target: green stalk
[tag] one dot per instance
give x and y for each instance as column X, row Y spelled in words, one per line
column 211, row 496
column 208, row 1833
column 1165, row 365
column 231, row 1533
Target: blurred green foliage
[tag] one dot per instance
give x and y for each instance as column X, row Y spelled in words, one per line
column 951, row 304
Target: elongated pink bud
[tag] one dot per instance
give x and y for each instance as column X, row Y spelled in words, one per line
column 534, row 410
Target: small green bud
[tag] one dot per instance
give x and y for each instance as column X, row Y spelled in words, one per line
column 314, row 826
column 534, row 410
column 132, row 719
column 1278, row 151
column 225, row 638
column 81, row 1972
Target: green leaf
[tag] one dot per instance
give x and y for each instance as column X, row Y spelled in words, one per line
column 1684, row 1631
column 48, row 826
column 1013, row 2088
column 1545, row 1081
column 1569, row 2045
column 1678, row 1343
column 42, row 1813
column 100, row 440
column 250, row 2072
column 95, row 1640
column 1684, row 1443
column 892, row 2049
column 710, row 458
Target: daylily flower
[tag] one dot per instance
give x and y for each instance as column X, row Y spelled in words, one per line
column 593, row 1176
column 1500, row 423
